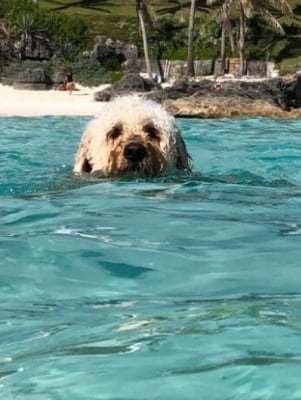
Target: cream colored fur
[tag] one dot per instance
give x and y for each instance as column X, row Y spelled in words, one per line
column 133, row 119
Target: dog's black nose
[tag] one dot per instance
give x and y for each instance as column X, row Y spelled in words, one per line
column 134, row 152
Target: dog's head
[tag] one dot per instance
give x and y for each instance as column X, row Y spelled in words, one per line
column 132, row 135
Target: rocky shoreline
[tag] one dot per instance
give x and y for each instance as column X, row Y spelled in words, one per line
column 225, row 107
column 205, row 98
column 274, row 98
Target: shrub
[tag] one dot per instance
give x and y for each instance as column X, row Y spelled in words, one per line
column 13, row 69
column 66, row 52
column 72, row 30
column 4, row 7
column 35, row 21
column 289, row 66
column 89, row 72
column 178, row 54
column 114, row 77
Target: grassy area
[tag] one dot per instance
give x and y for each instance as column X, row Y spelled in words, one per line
column 114, row 19
column 106, row 16
column 294, row 3
column 118, row 7
column 289, row 65
column 117, row 19
column 100, row 8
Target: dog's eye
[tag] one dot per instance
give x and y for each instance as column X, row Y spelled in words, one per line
column 151, row 132
column 114, row 133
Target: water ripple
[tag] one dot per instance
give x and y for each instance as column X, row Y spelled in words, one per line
column 187, row 284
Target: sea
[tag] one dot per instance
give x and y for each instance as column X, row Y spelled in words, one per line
column 183, row 287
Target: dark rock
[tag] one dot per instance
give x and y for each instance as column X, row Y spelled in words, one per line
column 178, row 89
column 33, row 79
column 34, row 50
column 208, row 99
column 104, row 95
column 59, row 77
column 293, row 92
column 271, row 91
column 124, row 52
column 131, row 82
column 155, row 95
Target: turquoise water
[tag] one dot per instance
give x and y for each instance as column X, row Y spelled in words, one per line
column 176, row 288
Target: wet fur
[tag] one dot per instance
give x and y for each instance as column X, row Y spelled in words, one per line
column 131, row 119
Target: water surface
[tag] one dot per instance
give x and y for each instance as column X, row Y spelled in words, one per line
column 174, row 288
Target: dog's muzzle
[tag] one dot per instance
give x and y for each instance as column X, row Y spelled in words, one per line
column 134, row 153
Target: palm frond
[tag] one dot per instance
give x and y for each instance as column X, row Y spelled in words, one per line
column 212, row 2
column 271, row 20
column 281, row 5
column 95, row 5
column 150, row 16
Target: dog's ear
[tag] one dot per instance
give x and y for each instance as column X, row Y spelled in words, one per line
column 183, row 158
column 82, row 163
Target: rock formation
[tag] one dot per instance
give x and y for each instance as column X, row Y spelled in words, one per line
column 131, row 82
column 105, row 48
column 33, row 79
column 279, row 98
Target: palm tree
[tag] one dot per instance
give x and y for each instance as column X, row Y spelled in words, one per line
column 179, row 5
column 25, row 25
column 95, row 5
column 7, row 34
column 193, row 5
column 141, row 8
column 246, row 9
column 226, row 30
column 4, row 7
column 190, row 57
column 163, row 38
column 30, row 30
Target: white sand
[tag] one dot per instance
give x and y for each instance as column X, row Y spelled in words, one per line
column 53, row 102
column 48, row 102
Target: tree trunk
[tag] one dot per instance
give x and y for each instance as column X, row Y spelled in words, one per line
column 242, row 40
column 223, row 49
column 159, row 63
column 190, row 57
column 140, row 12
column 22, row 48
column 231, row 39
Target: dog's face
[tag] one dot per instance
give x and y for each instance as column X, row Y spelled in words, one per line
column 132, row 136
column 135, row 148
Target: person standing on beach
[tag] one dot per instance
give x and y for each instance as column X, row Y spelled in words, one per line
column 69, row 80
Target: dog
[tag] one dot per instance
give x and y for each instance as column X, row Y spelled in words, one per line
column 132, row 135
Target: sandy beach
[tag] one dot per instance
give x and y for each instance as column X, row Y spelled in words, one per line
column 81, row 103
column 48, row 102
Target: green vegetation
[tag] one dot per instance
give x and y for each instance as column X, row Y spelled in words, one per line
column 89, row 72
column 114, row 77
column 102, row 15
column 290, row 65
column 73, row 27
column 31, row 20
column 16, row 67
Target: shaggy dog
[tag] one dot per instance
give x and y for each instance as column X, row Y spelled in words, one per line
column 132, row 135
